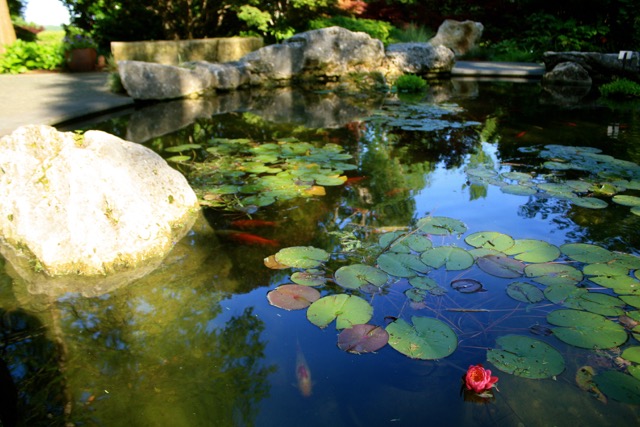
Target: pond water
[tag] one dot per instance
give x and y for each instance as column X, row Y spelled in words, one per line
column 197, row 343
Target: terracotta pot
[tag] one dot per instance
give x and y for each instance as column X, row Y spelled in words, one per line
column 81, row 60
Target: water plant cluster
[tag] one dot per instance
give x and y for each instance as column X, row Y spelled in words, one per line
column 590, row 296
column 598, row 179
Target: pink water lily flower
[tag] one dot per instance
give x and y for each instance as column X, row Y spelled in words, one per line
column 478, row 379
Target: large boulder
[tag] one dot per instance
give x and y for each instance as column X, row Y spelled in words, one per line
column 567, row 73
column 277, row 63
column 601, row 67
column 147, row 80
column 459, row 36
column 226, row 76
column 418, row 58
column 87, row 206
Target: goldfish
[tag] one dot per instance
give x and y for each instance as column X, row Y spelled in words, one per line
column 303, row 374
column 354, row 180
column 252, row 223
column 521, row 134
column 246, row 238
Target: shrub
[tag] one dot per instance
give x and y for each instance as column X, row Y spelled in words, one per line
column 620, row 88
column 410, row 83
column 412, row 33
column 23, row 56
column 377, row 29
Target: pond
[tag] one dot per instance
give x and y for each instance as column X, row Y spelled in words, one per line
column 485, row 223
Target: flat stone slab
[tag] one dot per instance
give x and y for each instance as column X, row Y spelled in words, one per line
column 497, row 69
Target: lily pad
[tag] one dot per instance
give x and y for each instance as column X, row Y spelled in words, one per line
column 467, row 286
column 501, row 266
column 346, row 310
column 440, row 225
column 530, row 250
column 292, row 297
column 525, row 292
column 584, row 252
column 451, row 257
column 362, row 339
column 401, row 265
column 427, row 284
column 309, row 278
column 552, row 273
column 427, row 338
column 586, row 330
column 624, row 200
column 632, row 354
column 302, row 256
column 526, row 357
column 356, row 275
column 518, row 190
column 589, row 202
column 618, row 386
column 405, row 243
column 490, row 240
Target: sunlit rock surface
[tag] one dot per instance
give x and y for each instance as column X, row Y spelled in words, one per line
column 459, row 36
column 87, row 206
column 418, row 58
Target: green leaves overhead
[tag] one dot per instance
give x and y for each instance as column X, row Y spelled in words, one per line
column 346, row 310
column 586, row 330
column 526, row 357
column 426, row 338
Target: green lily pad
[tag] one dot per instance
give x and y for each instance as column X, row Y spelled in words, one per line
column 427, row 284
column 621, row 284
column 480, row 252
column 292, row 297
column 631, row 201
column 518, row 190
column 525, row 292
column 302, row 257
column 451, row 257
column 427, row 338
column 309, row 278
column 618, row 386
column 501, row 266
column 415, row 294
column 566, row 294
column 440, row 225
column 517, row 176
column 632, row 300
column 346, row 310
column 490, row 240
column 401, row 265
column 632, row 354
column 599, row 303
column 362, row 339
column 355, row 275
column 178, row 159
column 526, row 357
column 552, row 273
column 589, row 202
column 405, row 243
column 183, row 147
column 636, row 210
column 586, row 253
column 529, row 250
column 586, row 330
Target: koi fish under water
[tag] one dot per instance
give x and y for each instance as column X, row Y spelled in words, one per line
column 246, row 238
column 303, row 374
column 252, row 223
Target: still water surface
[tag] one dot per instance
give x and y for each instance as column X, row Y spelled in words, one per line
column 196, row 342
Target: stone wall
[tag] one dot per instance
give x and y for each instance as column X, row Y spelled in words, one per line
column 174, row 52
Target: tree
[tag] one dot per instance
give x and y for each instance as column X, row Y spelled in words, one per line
column 7, row 33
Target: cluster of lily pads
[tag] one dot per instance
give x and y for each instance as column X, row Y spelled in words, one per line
column 241, row 174
column 595, row 294
column 420, row 117
column 604, row 177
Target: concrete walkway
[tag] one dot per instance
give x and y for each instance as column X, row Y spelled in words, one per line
column 52, row 98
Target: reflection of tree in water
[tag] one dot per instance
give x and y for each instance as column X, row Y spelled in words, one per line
column 157, row 356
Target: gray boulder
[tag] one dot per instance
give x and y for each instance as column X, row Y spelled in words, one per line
column 226, row 76
column 418, row 58
column 567, row 73
column 601, row 67
column 278, row 63
column 146, row 80
column 459, row 36
column 81, row 207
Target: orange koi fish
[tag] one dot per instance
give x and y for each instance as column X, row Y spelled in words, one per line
column 252, row 239
column 252, row 223
column 303, row 374
column 521, row 134
column 354, row 180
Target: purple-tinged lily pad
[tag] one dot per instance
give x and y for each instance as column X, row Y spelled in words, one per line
column 292, row 297
column 501, row 266
column 362, row 339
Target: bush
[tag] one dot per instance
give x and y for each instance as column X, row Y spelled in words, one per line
column 412, row 33
column 620, row 88
column 23, row 56
column 377, row 29
column 410, row 83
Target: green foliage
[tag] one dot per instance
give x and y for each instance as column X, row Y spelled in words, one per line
column 76, row 38
column 27, row 31
column 410, row 83
column 23, row 56
column 377, row 29
column 620, row 88
column 411, row 33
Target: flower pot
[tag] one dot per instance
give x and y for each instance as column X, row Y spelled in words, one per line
column 81, row 60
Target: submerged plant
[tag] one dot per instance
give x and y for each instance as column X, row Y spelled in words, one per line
column 621, row 88
column 410, row 83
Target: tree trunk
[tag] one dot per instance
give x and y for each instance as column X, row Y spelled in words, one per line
column 7, row 33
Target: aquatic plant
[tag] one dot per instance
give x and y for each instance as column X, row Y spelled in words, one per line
column 410, row 83
column 620, row 88
column 479, row 380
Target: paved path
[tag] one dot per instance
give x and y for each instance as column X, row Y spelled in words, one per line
column 53, row 98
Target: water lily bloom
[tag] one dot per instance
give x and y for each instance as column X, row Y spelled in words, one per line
column 478, row 379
